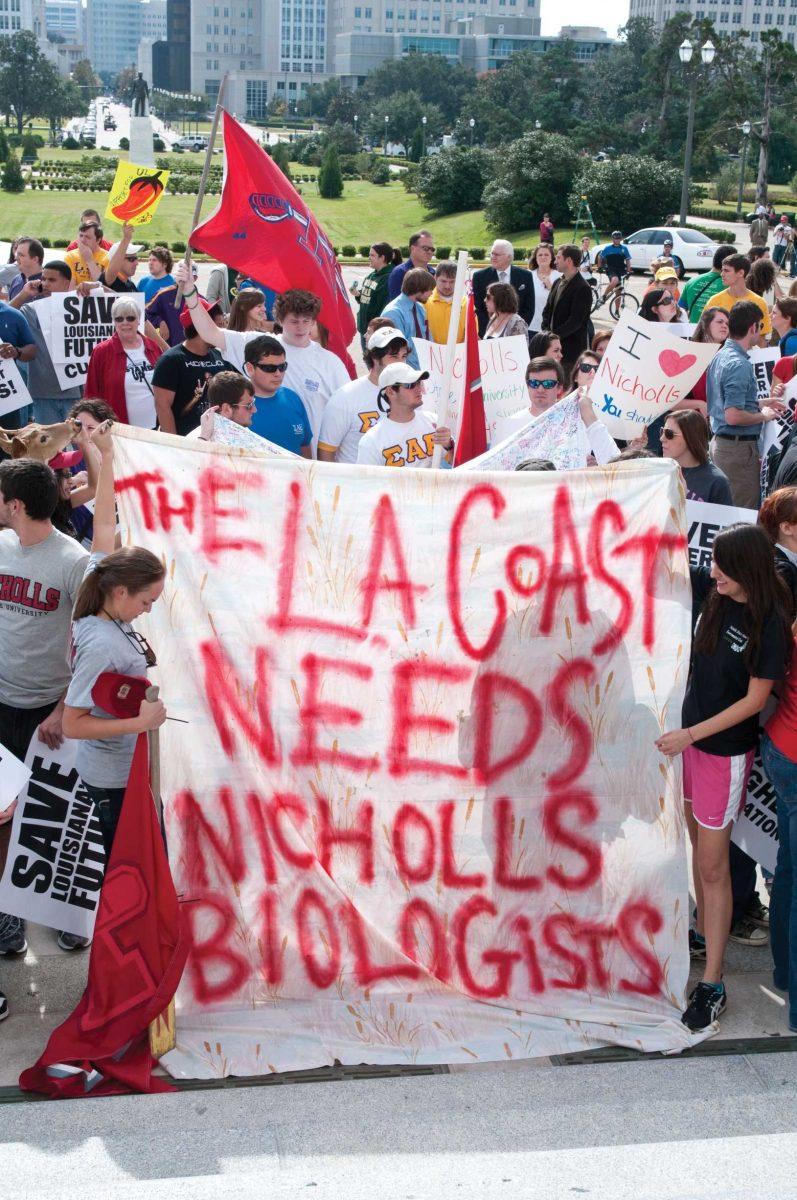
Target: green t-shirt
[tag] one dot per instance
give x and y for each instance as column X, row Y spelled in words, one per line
column 698, row 292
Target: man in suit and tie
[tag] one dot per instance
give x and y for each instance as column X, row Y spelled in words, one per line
column 503, row 270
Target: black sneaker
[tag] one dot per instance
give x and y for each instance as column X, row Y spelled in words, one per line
column 707, row 1002
column 697, row 945
column 12, row 935
column 748, row 933
column 3, row 1007
column 758, row 913
column 71, row 941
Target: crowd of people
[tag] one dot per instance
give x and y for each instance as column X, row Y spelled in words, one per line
column 260, row 360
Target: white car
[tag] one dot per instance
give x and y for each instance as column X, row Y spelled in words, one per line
column 694, row 250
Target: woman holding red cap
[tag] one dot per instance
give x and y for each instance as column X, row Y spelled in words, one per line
column 121, row 368
column 119, row 586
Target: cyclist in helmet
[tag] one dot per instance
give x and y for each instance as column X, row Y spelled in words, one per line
column 615, row 260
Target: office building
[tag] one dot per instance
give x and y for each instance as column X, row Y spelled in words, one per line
column 750, row 17
column 113, row 31
column 64, row 19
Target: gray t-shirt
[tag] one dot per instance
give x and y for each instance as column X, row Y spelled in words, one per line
column 100, row 645
column 38, row 586
column 42, row 379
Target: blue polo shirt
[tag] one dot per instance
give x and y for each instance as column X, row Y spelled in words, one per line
column 14, row 329
column 730, row 383
column 282, row 418
column 396, row 277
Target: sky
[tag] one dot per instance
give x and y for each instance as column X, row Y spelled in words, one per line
column 609, row 15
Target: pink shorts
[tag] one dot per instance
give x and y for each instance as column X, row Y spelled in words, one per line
column 716, row 786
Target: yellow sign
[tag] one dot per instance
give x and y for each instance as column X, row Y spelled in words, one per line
column 135, row 194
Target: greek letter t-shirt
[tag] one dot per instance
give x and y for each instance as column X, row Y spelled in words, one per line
column 399, row 443
column 720, row 679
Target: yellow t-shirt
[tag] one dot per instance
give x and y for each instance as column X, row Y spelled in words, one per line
column 438, row 317
column 76, row 263
column 726, row 300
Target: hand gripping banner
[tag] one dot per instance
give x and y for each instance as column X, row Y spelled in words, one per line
column 417, row 815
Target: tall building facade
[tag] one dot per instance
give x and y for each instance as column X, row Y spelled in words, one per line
column 751, row 17
column 277, row 48
column 113, row 29
column 64, row 18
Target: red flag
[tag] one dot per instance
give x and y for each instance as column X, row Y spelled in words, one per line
column 472, row 437
column 137, row 958
column 263, row 227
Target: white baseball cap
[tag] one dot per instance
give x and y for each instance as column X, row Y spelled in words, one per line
column 384, row 336
column 400, row 373
column 131, row 249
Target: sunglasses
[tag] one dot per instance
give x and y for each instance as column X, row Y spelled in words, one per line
column 249, row 405
column 542, row 383
column 409, row 386
column 669, row 434
column 588, row 368
column 119, row 320
column 272, row 368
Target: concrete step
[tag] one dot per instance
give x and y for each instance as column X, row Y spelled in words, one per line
column 45, row 979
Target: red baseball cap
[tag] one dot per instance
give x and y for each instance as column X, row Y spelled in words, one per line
column 65, row 460
column 185, row 314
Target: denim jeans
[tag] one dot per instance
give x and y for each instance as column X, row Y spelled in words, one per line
column 782, row 772
column 108, row 803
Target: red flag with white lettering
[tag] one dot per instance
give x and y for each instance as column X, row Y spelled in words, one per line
column 137, row 958
column 263, row 227
column 472, row 436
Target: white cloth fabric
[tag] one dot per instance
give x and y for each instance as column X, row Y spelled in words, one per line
column 593, row 439
column 350, row 413
column 314, row 374
column 138, row 389
column 399, row 444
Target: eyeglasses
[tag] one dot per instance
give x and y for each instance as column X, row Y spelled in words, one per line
column 119, row 320
column 131, row 258
column 249, row 405
column 140, row 642
column 410, row 386
column 429, row 248
column 587, row 368
column 85, row 228
column 669, row 434
column 542, row 383
column 272, row 368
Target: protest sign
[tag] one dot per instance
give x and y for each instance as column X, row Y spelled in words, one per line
column 135, row 193
column 13, row 390
column 55, row 862
column 553, row 435
column 502, row 362
column 418, row 814
column 775, row 437
column 13, row 777
column 682, row 329
column 642, row 375
column 763, row 359
column 756, row 830
column 76, row 325
column 227, row 433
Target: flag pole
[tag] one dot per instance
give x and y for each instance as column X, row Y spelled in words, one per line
column 203, row 181
column 451, row 341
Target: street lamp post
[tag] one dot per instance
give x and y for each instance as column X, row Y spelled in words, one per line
column 387, row 122
column 423, row 138
column 356, row 130
column 707, row 52
column 746, row 130
column 472, row 124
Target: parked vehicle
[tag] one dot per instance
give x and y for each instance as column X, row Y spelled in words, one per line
column 690, row 247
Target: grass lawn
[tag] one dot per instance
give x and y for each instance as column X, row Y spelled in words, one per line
column 365, row 213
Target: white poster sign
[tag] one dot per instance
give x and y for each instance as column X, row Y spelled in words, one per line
column 13, row 777
column 14, row 393
column 502, row 362
column 76, row 325
column 55, row 863
column 642, row 375
column 763, row 359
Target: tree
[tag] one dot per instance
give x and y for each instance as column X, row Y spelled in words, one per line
column 453, row 180
column 776, row 72
column 85, row 78
column 404, row 113
column 629, row 192
column 123, row 84
column 330, row 179
column 434, row 81
column 280, row 154
column 4, row 147
column 26, row 77
column 344, row 138
column 341, row 108
column 12, row 179
column 64, row 100
column 532, row 175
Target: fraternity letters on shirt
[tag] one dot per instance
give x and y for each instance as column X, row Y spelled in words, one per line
column 399, row 444
column 351, row 412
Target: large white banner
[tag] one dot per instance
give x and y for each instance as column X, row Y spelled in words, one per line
column 644, row 372
column 756, row 830
column 55, row 862
column 417, row 814
column 75, row 325
column 14, row 392
column 502, row 362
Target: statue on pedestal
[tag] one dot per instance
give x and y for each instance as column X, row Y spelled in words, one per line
column 140, row 96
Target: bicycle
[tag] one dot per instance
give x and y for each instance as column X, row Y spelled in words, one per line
column 621, row 300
